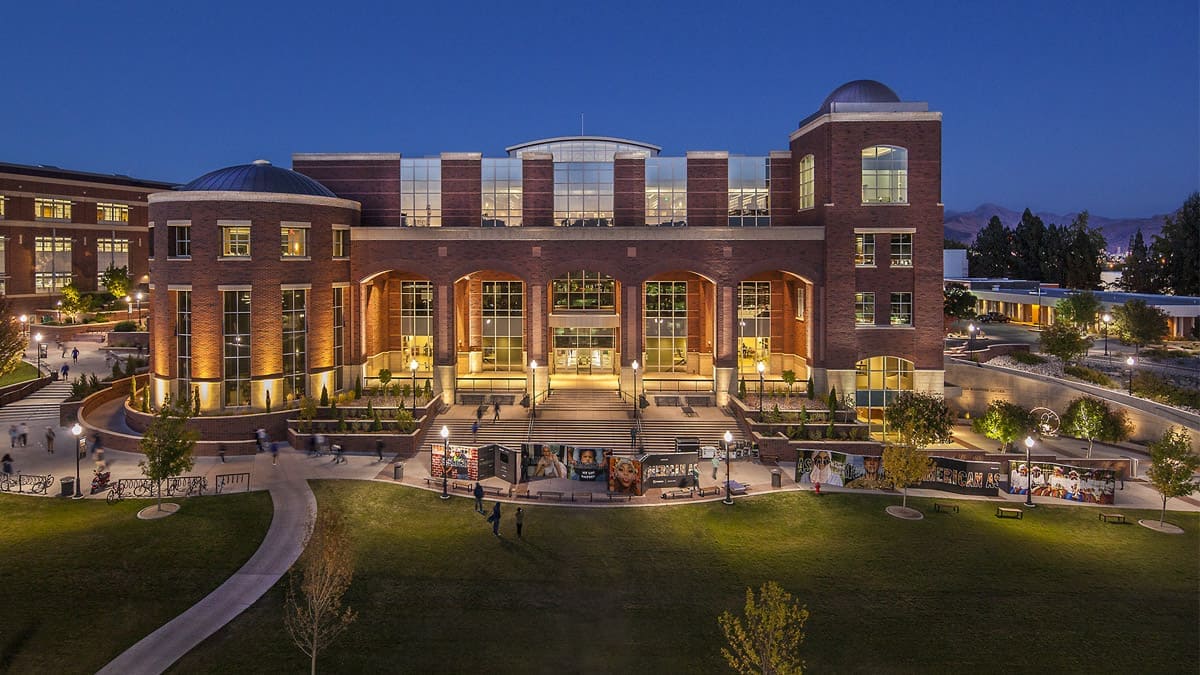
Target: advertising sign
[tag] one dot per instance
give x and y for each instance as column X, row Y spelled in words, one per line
column 963, row 477
column 462, row 464
column 1062, row 481
column 673, row 470
column 866, row 471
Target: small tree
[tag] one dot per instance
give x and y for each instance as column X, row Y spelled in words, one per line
column 167, row 444
column 767, row 638
column 919, row 418
column 116, row 280
column 958, row 302
column 832, row 402
column 742, row 389
column 1172, row 465
column 789, row 378
column 1078, row 309
column 1064, row 340
column 1004, row 422
column 324, row 396
column 385, row 376
column 1091, row 418
column 428, row 389
column 812, row 392
column 1139, row 324
column 12, row 339
column 308, row 411
column 904, row 466
column 73, row 300
column 195, row 401
column 313, row 611
column 357, row 386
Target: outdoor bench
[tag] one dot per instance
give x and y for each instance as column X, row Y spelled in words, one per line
column 465, row 487
column 550, row 493
column 1112, row 517
column 672, row 494
column 709, row 491
column 610, row 496
column 433, row 482
column 1002, row 512
column 942, row 506
column 494, row 491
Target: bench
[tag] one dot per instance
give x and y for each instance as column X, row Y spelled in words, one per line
column 550, row 493
column 610, row 497
column 496, row 492
column 709, row 491
column 1112, row 517
column 465, row 487
column 1002, row 512
column 673, row 494
column 688, row 410
column 736, row 488
column 433, row 482
column 524, row 494
column 942, row 507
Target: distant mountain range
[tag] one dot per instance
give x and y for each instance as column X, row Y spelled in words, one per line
column 963, row 225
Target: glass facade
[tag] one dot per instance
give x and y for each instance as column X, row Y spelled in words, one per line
column 112, row 253
column 749, row 180
column 51, row 209
column 339, row 336
column 416, row 322
column 666, row 319
column 51, row 264
column 877, row 381
column 236, row 326
column 885, row 175
column 584, row 350
column 183, row 344
column 584, row 292
column 502, row 192
column 421, row 192
column 504, row 325
column 583, row 194
column 295, row 344
column 754, row 325
column 666, row 191
column 807, row 182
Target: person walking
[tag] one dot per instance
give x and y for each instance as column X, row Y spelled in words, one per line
column 64, row 370
column 520, row 520
column 12, row 436
column 50, row 440
column 495, row 411
column 221, row 452
column 274, row 453
column 379, row 448
column 7, row 460
column 474, row 429
column 75, row 355
column 632, row 437
column 23, row 434
column 478, row 492
column 494, row 519
column 338, row 456
column 478, row 415
column 716, row 463
column 261, row 437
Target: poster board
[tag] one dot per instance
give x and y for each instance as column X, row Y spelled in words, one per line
column 462, row 464
column 587, row 463
column 625, row 475
column 668, row 470
column 866, row 471
column 1062, row 481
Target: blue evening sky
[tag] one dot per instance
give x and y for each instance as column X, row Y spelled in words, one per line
column 1058, row 106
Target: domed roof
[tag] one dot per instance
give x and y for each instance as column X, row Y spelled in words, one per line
column 860, row 91
column 258, row 176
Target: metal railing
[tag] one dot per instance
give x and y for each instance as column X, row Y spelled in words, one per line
column 489, row 383
column 671, row 384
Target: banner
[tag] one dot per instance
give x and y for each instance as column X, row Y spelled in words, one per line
column 625, row 475
column 545, row 460
column 1062, row 481
column 866, row 471
column 963, row 477
column 463, row 463
column 826, row 468
column 674, row 470
column 587, row 464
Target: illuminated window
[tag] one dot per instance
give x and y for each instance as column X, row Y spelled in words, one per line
column 51, row 209
column 901, row 309
column 179, row 241
column 51, row 264
column 295, row 344
column 864, row 250
column 3, row 202
column 341, row 242
column 583, row 194
column 110, row 253
column 416, row 322
column 877, row 381
column 808, row 183
column 666, row 191
column 501, row 192
column 864, row 309
column 901, row 250
column 801, row 302
column 112, row 213
column 294, row 242
column 754, row 325
column 584, row 292
column 749, row 185
column 339, row 336
column 665, row 323
column 183, row 343
column 237, row 348
column 504, row 325
column 421, row 192
column 235, row 241
column 885, row 175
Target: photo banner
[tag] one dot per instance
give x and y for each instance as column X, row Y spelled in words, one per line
column 963, row 477
column 463, row 463
column 841, row 469
column 624, row 475
column 587, row 464
column 545, row 460
column 1062, row 481
column 663, row 470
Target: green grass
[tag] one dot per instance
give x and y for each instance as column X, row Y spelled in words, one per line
column 639, row 590
column 83, row 581
column 22, row 373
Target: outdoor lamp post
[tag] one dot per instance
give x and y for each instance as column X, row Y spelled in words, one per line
column 1106, row 319
column 971, row 341
column 728, row 494
column 413, row 367
column 24, row 325
column 128, row 308
column 1129, row 362
column 77, row 430
column 445, row 460
column 37, row 339
column 139, row 309
column 762, row 368
column 1028, row 474
column 636, row 401
column 58, row 308
column 533, row 396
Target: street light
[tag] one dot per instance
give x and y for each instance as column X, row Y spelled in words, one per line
column 1107, row 318
column 533, row 398
column 24, row 325
column 762, row 368
column 971, row 342
column 445, row 460
column 79, row 441
column 37, row 339
column 139, row 309
column 1028, row 474
column 413, row 367
column 636, row 401
column 728, row 494
column 128, row 308
column 1129, row 362
column 58, row 306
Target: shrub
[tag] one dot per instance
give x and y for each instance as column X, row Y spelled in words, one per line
column 742, row 389
column 324, row 396
column 1153, row 386
column 1089, row 375
column 1028, row 358
column 125, row 327
column 116, row 371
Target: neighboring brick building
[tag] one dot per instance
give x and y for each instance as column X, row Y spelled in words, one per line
column 583, row 254
column 57, row 226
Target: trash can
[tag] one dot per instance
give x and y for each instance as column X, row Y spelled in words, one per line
column 776, row 478
column 68, row 486
column 398, row 471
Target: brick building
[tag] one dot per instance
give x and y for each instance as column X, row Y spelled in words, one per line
column 592, row 256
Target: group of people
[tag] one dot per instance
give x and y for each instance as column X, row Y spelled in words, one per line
column 494, row 518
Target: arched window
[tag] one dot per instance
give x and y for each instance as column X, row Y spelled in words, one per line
column 878, row 380
column 808, row 182
column 884, row 175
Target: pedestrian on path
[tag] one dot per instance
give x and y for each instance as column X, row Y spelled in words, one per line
column 379, row 448
column 494, row 519
column 339, row 456
column 716, row 462
column 495, row 411
column 64, row 349
column 632, row 437
column 274, row 453
column 520, row 520
column 260, row 438
column 474, row 429
column 23, row 434
column 97, row 446
column 50, row 440
column 64, row 370
column 479, row 498
column 75, row 356
column 221, row 452
column 478, row 415
column 7, row 461
column 12, row 436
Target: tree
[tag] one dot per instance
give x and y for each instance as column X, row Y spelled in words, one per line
column 1085, row 254
column 116, row 280
column 1172, row 465
column 767, row 638
column 1177, row 249
column 905, row 465
column 919, row 418
column 958, row 302
column 12, row 339
column 168, row 444
column 313, row 611
column 1064, row 340
column 74, row 301
column 789, row 378
column 991, row 253
column 308, row 411
column 324, row 396
column 1091, row 418
column 1138, row 324
column 812, row 392
column 953, row 244
column 1141, row 273
column 1054, row 247
column 1079, row 309
column 1028, row 247
column 1004, row 422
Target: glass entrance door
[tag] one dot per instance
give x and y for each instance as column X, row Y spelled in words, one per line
column 586, row 351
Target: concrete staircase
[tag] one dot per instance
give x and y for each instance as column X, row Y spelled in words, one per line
column 41, row 405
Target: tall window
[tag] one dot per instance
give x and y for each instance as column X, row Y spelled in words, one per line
column 808, row 182
column 801, row 302
column 235, row 241
column 754, row 324
column 51, row 209
column 3, row 266
column 294, row 242
column 583, row 194
column 150, row 241
column 901, row 309
column 503, row 325
column 339, row 336
column 901, row 250
column 864, row 250
column 52, row 264
column 885, row 175
column 112, row 213
column 666, row 191
column 112, row 253
column 416, row 322
column 341, row 242
column 183, row 344
column 179, row 241
column 877, row 381
column 666, row 318
column 501, row 192
column 295, row 344
column 864, row 309
column 3, row 203
column 749, row 181
column 421, row 192
column 584, row 292
column 237, row 348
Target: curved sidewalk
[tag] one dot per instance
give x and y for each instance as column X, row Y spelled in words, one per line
column 293, row 500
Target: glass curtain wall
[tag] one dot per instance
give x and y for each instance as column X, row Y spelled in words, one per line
column 583, row 194
column 665, row 323
column 183, row 344
column 666, row 191
column 504, row 325
column 295, row 344
column 421, row 192
column 416, row 322
column 749, row 181
column 502, row 192
column 237, row 348
column 754, row 325
column 877, row 381
column 51, row 264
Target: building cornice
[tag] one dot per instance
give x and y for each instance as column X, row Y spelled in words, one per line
column 346, row 156
column 866, row 117
column 585, row 234
column 234, row 196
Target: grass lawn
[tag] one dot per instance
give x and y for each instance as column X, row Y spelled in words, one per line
column 23, row 372
column 639, row 590
column 83, row 581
